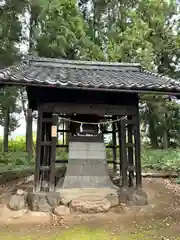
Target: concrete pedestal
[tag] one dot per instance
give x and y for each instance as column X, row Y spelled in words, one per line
column 87, row 166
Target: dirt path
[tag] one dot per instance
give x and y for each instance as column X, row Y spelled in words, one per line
column 159, row 220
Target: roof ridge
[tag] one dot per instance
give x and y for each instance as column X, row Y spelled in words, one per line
column 42, row 60
column 66, row 73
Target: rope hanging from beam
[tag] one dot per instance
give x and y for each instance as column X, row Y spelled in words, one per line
column 93, row 123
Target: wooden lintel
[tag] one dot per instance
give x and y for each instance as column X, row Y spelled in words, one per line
column 98, row 109
column 63, row 131
column 112, row 146
column 62, row 145
column 47, row 120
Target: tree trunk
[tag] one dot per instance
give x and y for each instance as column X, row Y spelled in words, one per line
column 152, row 135
column 165, row 139
column 165, row 135
column 25, row 114
column 6, row 130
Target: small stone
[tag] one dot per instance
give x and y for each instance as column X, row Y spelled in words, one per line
column 139, row 197
column 125, row 195
column 38, row 203
column 90, row 204
column 17, row 202
column 29, row 179
column 61, row 210
column 65, row 201
column 113, row 199
column 20, row 192
column 133, row 196
column 53, row 200
column 43, row 205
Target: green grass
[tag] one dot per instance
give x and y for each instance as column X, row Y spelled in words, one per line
column 74, row 234
column 84, row 233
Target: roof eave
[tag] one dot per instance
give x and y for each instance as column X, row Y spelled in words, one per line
column 162, row 91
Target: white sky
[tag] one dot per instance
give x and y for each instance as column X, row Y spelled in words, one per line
column 21, row 130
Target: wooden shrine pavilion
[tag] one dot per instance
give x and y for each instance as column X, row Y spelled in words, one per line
column 85, row 95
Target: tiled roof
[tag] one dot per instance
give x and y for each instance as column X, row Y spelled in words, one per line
column 66, row 73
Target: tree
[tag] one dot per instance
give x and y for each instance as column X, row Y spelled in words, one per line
column 145, row 31
column 10, row 37
column 123, row 31
column 60, row 32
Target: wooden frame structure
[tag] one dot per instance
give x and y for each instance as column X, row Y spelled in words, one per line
column 62, row 88
column 125, row 134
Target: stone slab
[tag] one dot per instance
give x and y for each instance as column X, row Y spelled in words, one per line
column 90, row 204
column 87, row 145
column 88, row 182
column 87, row 166
column 69, row 194
column 87, row 154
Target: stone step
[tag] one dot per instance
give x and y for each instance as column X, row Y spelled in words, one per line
column 86, row 167
column 89, row 146
column 87, row 182
column 83, row 154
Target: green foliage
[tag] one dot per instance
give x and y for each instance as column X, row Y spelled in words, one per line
column 15, row 159
column 11, row 36
column 60, row 31
column 163, row 160
column 15, row 145
column 8, row 100
column 17, row 155
column 162, row 116
column 145, row 31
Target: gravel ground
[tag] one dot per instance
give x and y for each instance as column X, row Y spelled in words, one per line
column 159, row 220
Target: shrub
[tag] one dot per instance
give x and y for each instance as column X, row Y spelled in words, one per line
column 165, row 160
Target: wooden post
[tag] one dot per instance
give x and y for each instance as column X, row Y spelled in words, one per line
column 124, row 164
column 29, row 134
column 114, row 144
column 6, row 130
column 37, row 186
column 53, row 152
column 119, row 140
column 137, row 149
column 46, row 150
column 63, row 123
column 130, row 152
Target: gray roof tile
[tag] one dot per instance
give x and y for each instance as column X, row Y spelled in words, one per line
column 87, row 74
